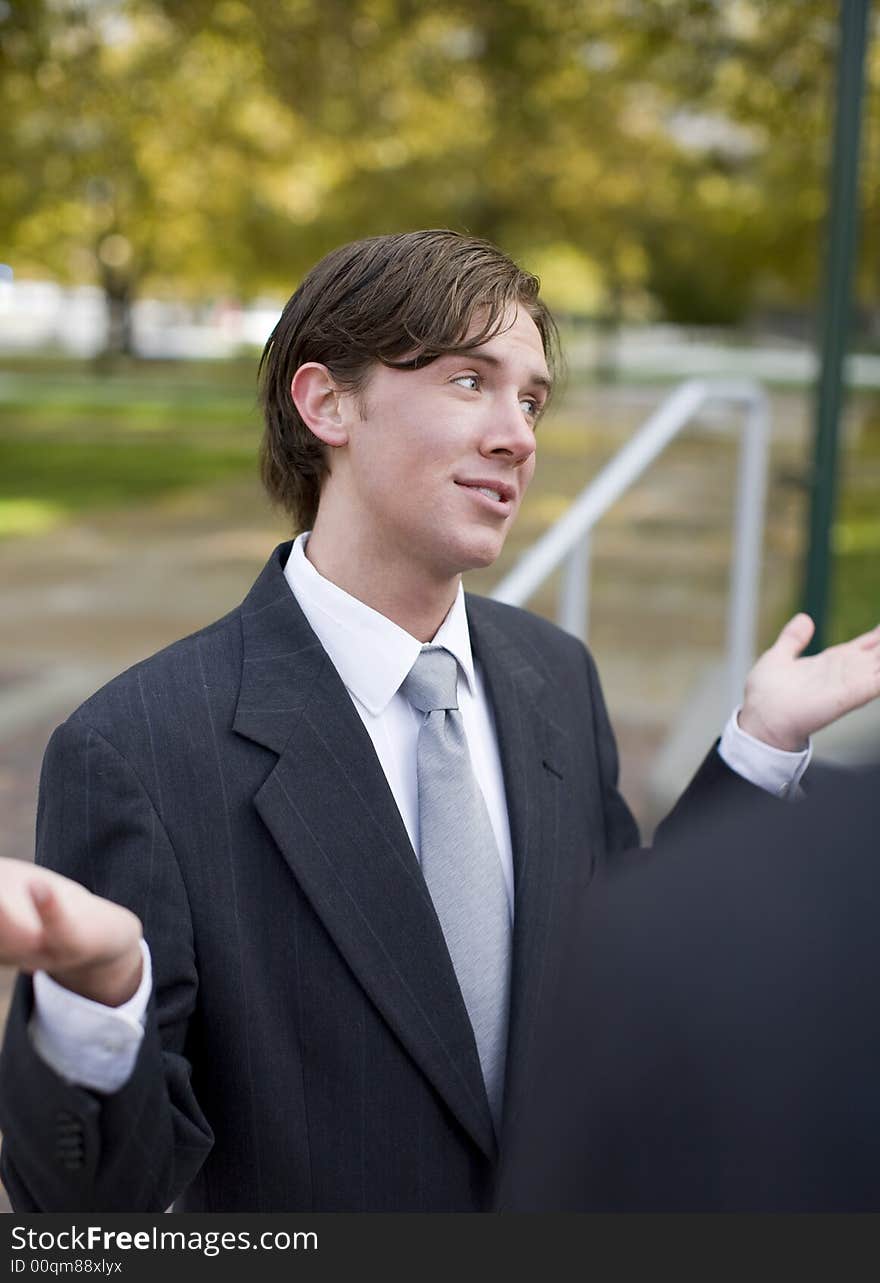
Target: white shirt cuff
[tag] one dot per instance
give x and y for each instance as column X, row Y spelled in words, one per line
column 85, row 1042
column 772, row 769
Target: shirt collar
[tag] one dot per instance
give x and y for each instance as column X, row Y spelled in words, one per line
column 370, row 652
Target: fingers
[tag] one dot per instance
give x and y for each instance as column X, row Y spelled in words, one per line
column 46, row 904
column 21, row 933
column 51, row 915
column 34, row 925
column 795, row 636
column 58, row 925
column 869, row 640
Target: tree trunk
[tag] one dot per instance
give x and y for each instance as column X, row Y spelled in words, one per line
column 119, row 293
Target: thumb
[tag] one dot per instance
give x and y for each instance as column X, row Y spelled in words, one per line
column 44, row 899
column 795, row 636
column 48, row 907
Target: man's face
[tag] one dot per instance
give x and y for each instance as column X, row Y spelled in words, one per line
column 425, row 442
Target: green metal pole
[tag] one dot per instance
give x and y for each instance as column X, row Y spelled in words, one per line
column 842, row 221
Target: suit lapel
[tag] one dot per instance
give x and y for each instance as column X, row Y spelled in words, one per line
column 535, row 760
column 331, row 812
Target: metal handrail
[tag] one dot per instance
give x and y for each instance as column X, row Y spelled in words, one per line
column 568, row 540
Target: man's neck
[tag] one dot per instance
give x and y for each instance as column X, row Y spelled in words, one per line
column 400, row 593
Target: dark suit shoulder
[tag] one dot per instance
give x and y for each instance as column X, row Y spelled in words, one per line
column 542, row 642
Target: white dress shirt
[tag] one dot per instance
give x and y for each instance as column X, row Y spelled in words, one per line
column 84, row 1041
column 373, row 656
column 97, row 1046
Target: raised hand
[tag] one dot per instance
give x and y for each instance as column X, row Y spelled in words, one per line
column 50, row 923
column 789, row 696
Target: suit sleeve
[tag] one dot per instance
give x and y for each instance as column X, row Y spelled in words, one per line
column 715, row 792
column 714, row 789
column 67, row 1148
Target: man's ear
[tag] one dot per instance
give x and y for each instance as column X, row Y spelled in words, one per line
column 318, row 400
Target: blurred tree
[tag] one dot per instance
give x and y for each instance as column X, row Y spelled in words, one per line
column 680, row 145
column 134, row 156
column 676, row 148
column 748, row 97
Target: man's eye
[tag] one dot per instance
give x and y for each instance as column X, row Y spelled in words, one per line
column 531, row 407
column 472, row 379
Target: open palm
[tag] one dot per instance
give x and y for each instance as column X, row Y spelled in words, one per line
column 789, row 696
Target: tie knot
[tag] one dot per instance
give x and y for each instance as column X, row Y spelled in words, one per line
column 432, row 682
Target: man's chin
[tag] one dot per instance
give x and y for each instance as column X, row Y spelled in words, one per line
column 478, row 555
column 473, row 550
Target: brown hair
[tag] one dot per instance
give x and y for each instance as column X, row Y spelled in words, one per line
column 380, row 299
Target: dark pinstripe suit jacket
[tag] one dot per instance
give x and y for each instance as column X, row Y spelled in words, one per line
column 307, row 1046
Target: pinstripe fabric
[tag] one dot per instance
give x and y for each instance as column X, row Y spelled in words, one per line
column 307, row 1046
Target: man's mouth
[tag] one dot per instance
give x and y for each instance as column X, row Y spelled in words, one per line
column 499, row 493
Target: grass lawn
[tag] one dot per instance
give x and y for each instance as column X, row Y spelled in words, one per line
column 72, row 441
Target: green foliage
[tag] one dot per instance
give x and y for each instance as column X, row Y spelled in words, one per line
column 678, row 147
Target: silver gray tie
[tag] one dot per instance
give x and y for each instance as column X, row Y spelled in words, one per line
column 460, row 863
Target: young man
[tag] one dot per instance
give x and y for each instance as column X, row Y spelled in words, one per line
column 351, row 816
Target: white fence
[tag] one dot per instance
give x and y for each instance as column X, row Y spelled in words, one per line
column 568, row 541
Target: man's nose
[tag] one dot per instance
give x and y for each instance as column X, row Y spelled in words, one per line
column 510, row 433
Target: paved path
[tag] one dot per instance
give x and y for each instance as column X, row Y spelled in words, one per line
column 86, row 602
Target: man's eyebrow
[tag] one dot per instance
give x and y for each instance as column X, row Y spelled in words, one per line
column 537, row 379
